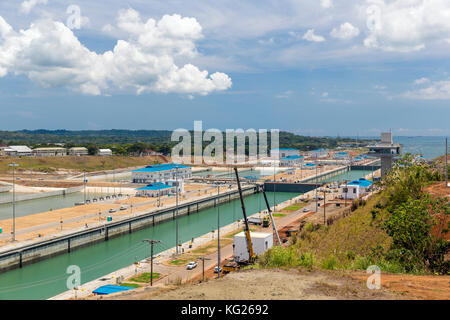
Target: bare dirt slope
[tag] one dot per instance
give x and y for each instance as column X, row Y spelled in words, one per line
column 265, row 284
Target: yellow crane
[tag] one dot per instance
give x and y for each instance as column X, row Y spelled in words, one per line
column 251, row 254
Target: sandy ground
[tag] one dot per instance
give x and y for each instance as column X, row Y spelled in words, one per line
column 38, row 225
column 412, row 286
column 266, row 284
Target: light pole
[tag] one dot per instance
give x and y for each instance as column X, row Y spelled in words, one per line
column 274, row 182
column 218, row 231
column 151, row 242
column 14, row 165
column 176, row 211
column 446, row 162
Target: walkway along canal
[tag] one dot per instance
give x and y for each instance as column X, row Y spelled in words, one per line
column 47, row 278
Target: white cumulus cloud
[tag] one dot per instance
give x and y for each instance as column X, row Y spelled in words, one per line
column 310, row 36
column 326, row 3
column 407, row 25
column 421, row 81
column 51, row 55
column 28, row 5
column 345, row 31
column 437, row 90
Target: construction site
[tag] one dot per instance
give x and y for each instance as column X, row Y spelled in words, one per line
column 86, row 209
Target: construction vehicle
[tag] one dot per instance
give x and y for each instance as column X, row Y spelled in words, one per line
column 234, row 266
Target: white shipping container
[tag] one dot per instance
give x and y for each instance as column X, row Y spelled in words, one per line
column 260, row 242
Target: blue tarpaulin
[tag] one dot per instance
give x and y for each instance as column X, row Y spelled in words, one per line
column 111, row 288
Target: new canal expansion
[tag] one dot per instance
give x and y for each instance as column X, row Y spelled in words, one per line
column 47, row 278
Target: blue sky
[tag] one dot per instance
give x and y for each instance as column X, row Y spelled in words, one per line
column 310, row 67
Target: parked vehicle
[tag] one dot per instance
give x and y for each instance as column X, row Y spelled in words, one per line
column 123, row 208
column 112, row 210
column 216, row 269
column 191, row 265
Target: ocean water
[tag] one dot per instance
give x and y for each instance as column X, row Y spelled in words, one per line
column 429, row 147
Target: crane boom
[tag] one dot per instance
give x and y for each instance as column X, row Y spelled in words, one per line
column 251, row 254
column 271, row 217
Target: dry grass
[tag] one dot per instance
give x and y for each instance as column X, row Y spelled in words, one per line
column 352, row 236
column 91, row 163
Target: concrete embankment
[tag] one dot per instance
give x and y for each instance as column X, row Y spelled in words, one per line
column 34, row 251
column 5, row 189
column 143, row 265
column 41, row 195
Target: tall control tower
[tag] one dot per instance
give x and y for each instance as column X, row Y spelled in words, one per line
column 386, row 150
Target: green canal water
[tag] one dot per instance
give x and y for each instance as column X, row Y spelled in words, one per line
column 349, row 176
column 48, row 278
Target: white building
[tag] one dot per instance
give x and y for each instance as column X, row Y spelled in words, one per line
column 78, row 151
column 18, row 151
column 155, row 190
column 104, row 152
column 261, row 242
column 49, row 152
column 356, row 189
column 165, row 173
column 319, row 153
column 283, row 153
column 291, row 161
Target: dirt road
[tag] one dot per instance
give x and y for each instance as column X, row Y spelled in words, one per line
column 272, row 284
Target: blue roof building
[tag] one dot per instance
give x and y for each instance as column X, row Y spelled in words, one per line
column 155, row 186
column 292, row 158
column 361, row 182
column 111, row 288
column 283, row 153
column 161, row 173
column 162, row 167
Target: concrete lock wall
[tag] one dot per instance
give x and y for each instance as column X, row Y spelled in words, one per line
column 43, row 195
column 36, row 252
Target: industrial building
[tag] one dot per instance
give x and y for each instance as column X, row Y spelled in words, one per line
column 342, row 156
column 386, row 150
column 261, row 242
column 104, row 152
column 355, row 189
column 319, row 153
column 164, row 173
column 283, row 153
column 155, row 190
column 291, row 161
column 78, row 151
column 49, row 152
column 18, row 151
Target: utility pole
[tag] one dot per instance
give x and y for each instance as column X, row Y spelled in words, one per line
column 84, row 181
column 346, row 191
column 14, row 165
column 151, row 242
column 316, row 188
column 324, row 204
column 274, row 182
column 31, row 168
column 203, row 266
column 218, row 231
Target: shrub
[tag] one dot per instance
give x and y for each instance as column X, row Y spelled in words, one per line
column 307, row 260
column 329, row 263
